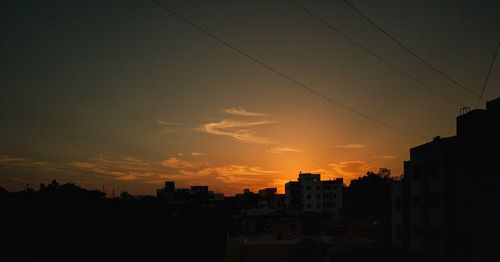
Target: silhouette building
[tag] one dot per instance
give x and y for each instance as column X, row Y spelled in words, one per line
column 267, row 201
column 310, row 194
column 168, row 192
column 444, row 208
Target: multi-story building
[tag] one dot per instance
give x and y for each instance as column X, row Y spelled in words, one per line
column 292, row 195
column 194, row 194
column 310, row 194
column 444, row 207
column 266, row 202
column 168, row 192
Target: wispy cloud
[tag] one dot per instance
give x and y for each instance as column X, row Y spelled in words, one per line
column 239, row 130
column 281, row 150
column 351, row 169
column 351, row 146
column 167, row 123
column 174, row 128
column 230, row 178
column 240, row 111
column 126, row 168
column 233, row 174
column 22, row 162
column 198, row 154
column 388, row 157
column 177, row 163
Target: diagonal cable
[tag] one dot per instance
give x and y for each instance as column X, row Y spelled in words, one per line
column 488, row 75
column 276, row 71
column 373, row 53
column 425, row 62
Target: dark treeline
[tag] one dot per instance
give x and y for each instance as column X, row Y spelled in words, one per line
column 367, row 206
column 69, row 223
column 369, row 196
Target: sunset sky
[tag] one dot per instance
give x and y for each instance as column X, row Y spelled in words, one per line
column 123, row 94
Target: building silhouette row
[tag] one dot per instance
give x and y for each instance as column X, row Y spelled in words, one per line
column 308, row 194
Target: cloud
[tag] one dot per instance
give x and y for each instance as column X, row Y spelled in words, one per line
column 230, row 178
column 127, row 168
column 280, row 150
column 233, row 174
column 174, row 128
column 128, row 177
column 166, row 123
column 240, row 111
column 174, row 162
column 21, row 162
column 198, row 154
column 351, row 146
column 389, row 157
column 351, row 169
column 238, row 130
column 321, row 171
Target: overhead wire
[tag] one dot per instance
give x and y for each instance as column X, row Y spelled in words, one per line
column 488, row 75
column 283, row 75
column 373, row 53
column 411, row 52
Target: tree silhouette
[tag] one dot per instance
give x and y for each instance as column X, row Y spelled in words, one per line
column 369, row 196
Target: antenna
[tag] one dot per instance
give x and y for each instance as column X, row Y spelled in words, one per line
column 464, row 110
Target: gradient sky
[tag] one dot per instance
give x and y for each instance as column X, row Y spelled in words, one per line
column 124, row 95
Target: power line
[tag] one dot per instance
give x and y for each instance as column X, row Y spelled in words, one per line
column 488, row 75
column 276, row 71
column 373, row 53
column 435, row 69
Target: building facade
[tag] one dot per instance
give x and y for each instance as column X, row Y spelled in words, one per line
column 310, row 194
column 444, row 207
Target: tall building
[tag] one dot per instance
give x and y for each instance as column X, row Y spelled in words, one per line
column 310, row 194
column 168, row 192
column 444, row 208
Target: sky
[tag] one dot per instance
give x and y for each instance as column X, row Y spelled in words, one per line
column 124, row 95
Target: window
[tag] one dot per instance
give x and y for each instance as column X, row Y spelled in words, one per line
column 308, row 196
column 327, row 196
column 318, row 187
column 318, row 205
column 308, row 205
column 308, row 188
column 334, row 195
column 318, row 196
